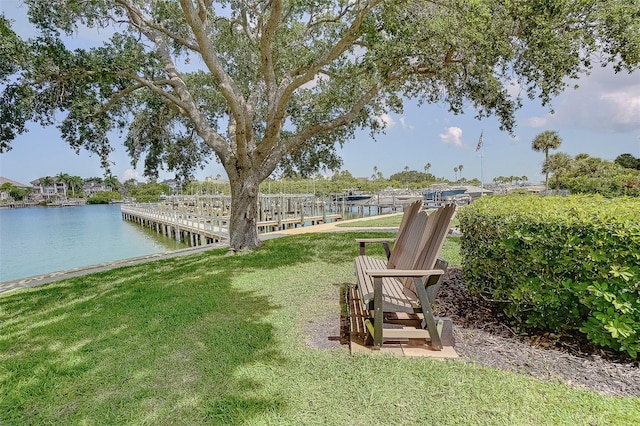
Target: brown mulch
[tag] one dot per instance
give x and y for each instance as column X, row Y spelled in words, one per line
column 483, row 337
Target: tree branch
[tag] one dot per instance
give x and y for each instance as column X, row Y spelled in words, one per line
column 266, row 55
column 305, row 74
column 119, row 96
column 184, row 100
column 152, row 25
column 343, row 119
column 275, row 152
column 228, row 88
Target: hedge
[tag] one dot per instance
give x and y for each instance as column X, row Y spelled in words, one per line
column 614, row 186
column 559, row 264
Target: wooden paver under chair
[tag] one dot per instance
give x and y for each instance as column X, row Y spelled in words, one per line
column 398, row 293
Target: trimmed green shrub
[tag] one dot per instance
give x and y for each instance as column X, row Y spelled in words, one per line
column 103, row 197
column 613, row 186
column 559, row 264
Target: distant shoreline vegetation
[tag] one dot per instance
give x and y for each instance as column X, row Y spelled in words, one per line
column 104, row 198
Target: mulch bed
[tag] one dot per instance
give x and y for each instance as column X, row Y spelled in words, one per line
column 483, row 337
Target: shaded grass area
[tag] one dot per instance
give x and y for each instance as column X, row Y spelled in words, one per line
column 210, row 339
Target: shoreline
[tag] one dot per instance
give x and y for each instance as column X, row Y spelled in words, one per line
column 41, row 279
column 49, row 277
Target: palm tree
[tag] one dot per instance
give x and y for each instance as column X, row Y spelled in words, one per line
column 75, row 182
column 460, row 167
column 63, row 178
column 426, row 170
column 112, row 182
column 455, row 171
column 405, row 177
column 557, row 164
column 543, row 142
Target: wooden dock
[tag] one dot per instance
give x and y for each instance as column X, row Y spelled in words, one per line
column 183, row 226
column 196, row 226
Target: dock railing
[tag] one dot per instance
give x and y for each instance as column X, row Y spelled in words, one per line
column 205, row 220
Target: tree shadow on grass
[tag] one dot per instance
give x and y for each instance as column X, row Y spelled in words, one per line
column 161, row 342
column 170, row 341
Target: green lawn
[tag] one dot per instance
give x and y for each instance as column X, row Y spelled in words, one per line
column 385, row 221
column 210, row 339
column 382, row 221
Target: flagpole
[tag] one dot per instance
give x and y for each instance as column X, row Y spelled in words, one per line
column 481, row 148
column 481, row 173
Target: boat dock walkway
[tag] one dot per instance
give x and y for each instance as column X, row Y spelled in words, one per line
column 196, row 229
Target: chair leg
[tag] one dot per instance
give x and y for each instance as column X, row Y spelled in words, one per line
column 425, row 303
column 378, row 316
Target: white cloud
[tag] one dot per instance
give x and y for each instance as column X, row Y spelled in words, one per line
column 131, row 174
column 624, row 105
column 514, row 89
column 452, row 136
column 604, row 102
column 404, row 124
column 386, row 120
column 314, row 82
column 537, row 121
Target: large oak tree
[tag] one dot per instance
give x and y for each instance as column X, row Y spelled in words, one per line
column 261, row 84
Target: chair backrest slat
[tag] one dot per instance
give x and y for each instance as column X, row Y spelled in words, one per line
column 405, row 239
column 420, row 238
column 433, row 238
column 440, row 223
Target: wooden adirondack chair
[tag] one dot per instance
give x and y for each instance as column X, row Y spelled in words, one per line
column 403, row 240
column 407, row 286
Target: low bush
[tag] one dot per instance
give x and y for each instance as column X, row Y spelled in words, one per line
column 614, row 186
column 559, row 264
column 103, row 198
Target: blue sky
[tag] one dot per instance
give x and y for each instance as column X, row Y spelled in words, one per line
column 600, row 118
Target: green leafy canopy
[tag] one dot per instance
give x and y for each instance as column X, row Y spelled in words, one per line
column 457, row 52
column 258, row 84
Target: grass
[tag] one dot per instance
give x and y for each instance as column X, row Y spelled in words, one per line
column 382, row 221
column 210, row 339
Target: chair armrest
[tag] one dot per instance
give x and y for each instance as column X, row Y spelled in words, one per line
column 375, row 240
column 385, row 242
column 402, row 273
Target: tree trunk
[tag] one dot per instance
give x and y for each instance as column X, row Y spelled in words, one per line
column 243, row 231
column 546, row 174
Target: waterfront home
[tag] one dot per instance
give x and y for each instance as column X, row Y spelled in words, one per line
column 48, row 187
column 4, row 196
column 173, row 184
column 92, row 187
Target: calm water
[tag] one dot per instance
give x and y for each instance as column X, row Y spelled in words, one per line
column 35, row 241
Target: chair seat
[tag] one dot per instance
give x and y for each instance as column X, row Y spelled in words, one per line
column 396, row 296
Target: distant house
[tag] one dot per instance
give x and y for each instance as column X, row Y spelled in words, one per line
column 173, row 184
column 91, row 188
column 44, row 190
column 5, row 195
